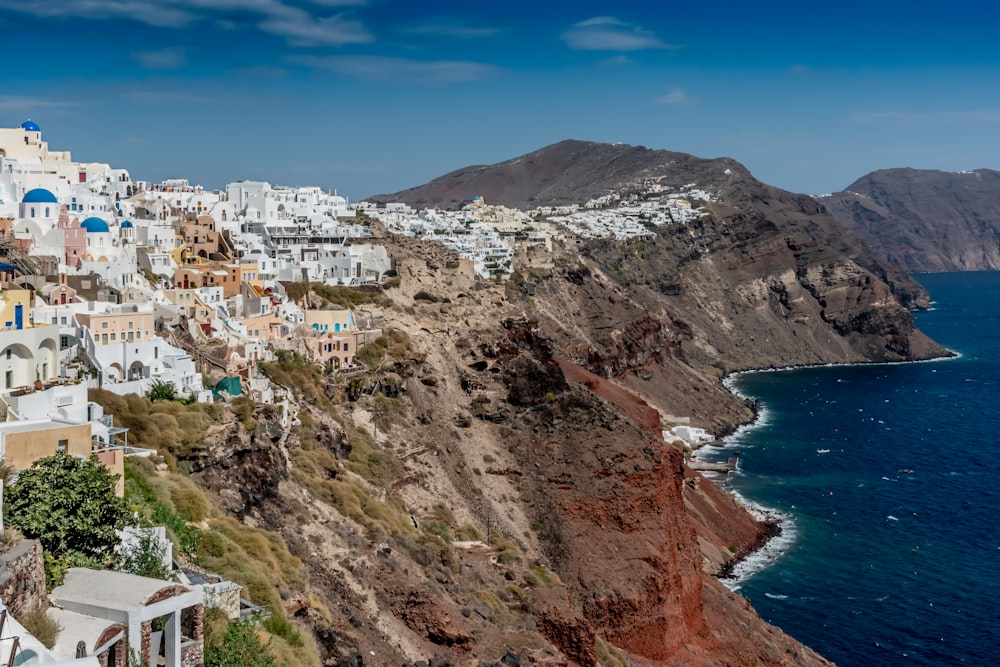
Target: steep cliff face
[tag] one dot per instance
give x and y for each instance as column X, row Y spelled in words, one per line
column 513, row 492
column 602, row 539
column 767, row 279
column 925, row 220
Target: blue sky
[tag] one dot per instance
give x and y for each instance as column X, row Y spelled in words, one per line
column 370, row 96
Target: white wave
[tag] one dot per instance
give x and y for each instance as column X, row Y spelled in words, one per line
column 775, row 597
column 770, row 552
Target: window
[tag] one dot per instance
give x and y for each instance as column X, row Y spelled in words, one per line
column 104, row 325
column 63, row 445
column 131, row 325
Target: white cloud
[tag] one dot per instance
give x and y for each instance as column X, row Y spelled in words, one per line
column 169, row 58
column 168, row 15
column 453, row 27
column 277, row 17
column 909, row 119
column 675, row 98
column 302, row 29
column 26, row 104
column 400, row 70
column 607, row 33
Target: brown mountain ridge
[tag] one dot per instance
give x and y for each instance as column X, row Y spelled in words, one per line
column 925, row 220
column 569, row 172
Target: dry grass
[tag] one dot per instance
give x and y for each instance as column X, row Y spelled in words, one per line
column 174, row 429
column 42, row 627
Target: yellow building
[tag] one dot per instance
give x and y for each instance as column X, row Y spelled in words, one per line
column 24, row 442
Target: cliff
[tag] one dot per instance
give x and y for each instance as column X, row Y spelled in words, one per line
column 924, row 220
column 496, row 487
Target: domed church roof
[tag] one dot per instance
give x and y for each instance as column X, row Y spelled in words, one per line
column 94, row 225
column 39, row 196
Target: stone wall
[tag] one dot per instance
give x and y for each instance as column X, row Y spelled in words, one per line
column 192, row 653
column 22, row 578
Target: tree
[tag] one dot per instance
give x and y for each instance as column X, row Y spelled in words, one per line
column 69, row 505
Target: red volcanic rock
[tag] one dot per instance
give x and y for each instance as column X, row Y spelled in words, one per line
column 425, row 617
column 636, row 408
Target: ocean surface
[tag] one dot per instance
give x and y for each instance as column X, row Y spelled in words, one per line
column 887, row 476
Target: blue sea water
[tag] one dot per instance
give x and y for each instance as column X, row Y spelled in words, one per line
column 889, row 476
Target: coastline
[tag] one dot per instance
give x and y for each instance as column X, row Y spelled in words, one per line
column 780, row 525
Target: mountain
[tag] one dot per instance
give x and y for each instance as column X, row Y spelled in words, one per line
column 925, row 220
column 569, row 172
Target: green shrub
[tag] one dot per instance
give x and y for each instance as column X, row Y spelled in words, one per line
column 439, row 529
column 278, row 625
column 145, row 557
column 240, row 646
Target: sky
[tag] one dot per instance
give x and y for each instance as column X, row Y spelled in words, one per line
column 374, row 96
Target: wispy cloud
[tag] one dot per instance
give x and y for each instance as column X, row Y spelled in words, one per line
column 169, row 58
column 617, row 61
column 909, row 119
column 27, row 104
column 339, row 3
column 277, row 17
column 160, row 96
column 607, row 33
column 172, row 15
column 452, row 27
column 400, row 70
column 675, row 98
column 302, row 29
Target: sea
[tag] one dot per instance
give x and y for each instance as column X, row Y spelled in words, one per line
column 886, row 478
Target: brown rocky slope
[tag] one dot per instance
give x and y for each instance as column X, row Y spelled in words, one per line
column 506, row 494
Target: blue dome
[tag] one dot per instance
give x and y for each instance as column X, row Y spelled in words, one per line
column 39, row 196
column 30, row 126
column 94, row 225
column 127, row 224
